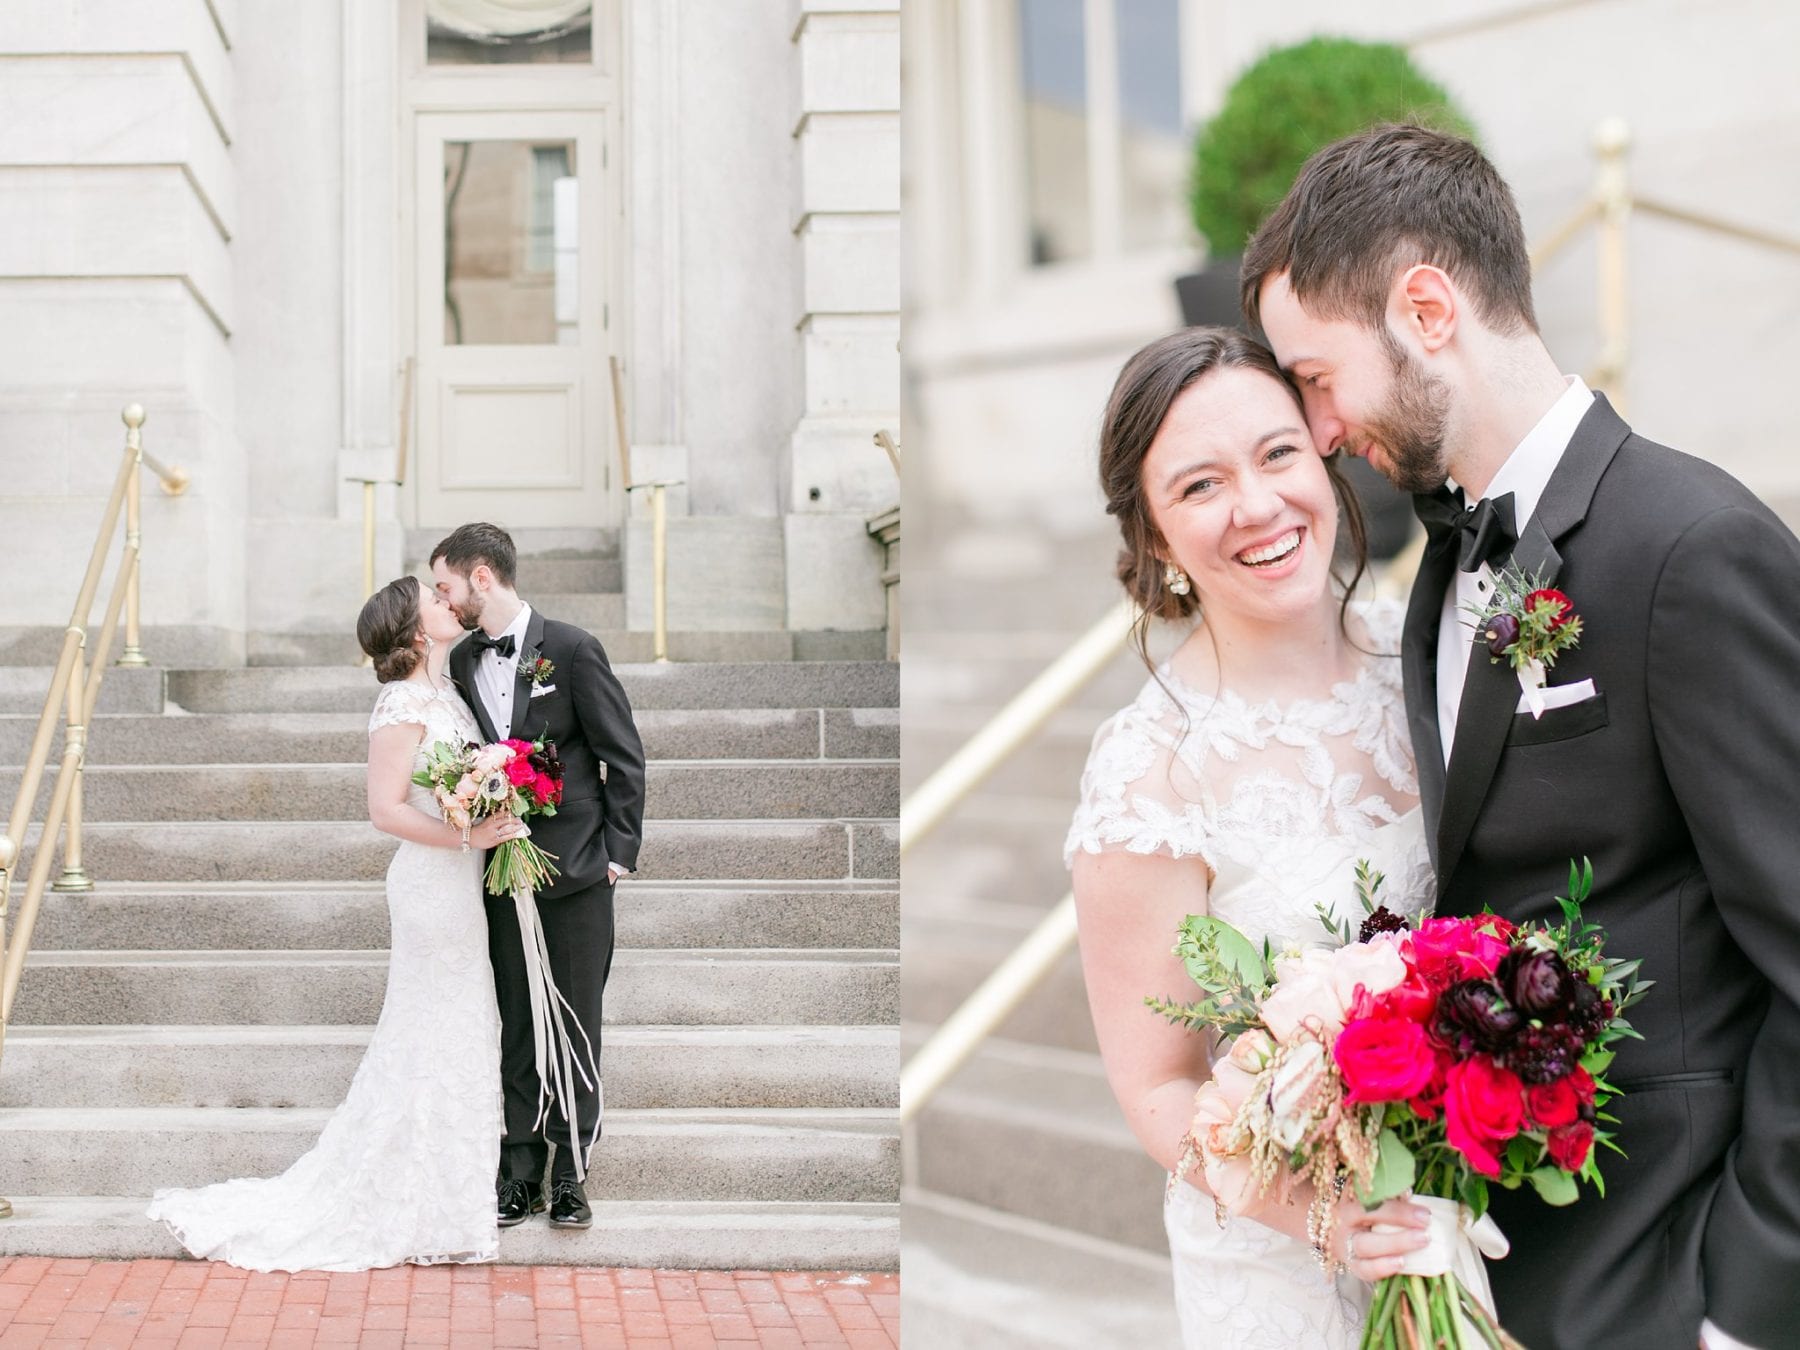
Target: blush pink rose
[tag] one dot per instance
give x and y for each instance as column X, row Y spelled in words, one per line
column 1318, row 988
column 1228, row 1176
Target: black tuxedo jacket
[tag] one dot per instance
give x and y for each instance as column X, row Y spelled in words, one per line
column 582, row 708
column 1681, row 780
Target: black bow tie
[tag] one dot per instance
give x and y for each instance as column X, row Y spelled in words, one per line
column 1483, row 533
column 502, row 644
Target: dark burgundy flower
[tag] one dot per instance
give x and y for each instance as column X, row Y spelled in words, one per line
column 1381, row 920
column 1474, row 1015
column 1542, row 1054
column 1501, row 632
column 1589, row 1013
column 1538, row 984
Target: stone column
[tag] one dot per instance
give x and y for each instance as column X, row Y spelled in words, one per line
column 116, row 217
column 847, row 226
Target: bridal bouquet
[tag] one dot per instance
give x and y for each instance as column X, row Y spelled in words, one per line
column 1435, row 1059
column 524, row 778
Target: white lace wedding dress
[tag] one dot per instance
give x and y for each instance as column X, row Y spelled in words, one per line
column 1281, row 801
column 404, row 1170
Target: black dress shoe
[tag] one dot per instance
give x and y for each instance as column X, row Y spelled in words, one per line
column 568, row 1205
column 519, row 1200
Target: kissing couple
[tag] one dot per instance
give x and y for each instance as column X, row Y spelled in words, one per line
column 413, row 1166
column 1297, row 730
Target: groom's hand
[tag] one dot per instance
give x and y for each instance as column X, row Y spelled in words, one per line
column 613, row 873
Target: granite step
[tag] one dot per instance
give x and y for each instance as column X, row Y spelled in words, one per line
column 664, row 1234
column 353, row 915
column 978, row 1279
column 346, row 688
column 678, row 790
column 343, row 737
column 796, row 1155
column 354, row 850
column 540, row 577
column 1035, row 1131
column 736, row 1068
column 721, row 987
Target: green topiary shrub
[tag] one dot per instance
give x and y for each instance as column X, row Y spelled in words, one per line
column 1289, row 104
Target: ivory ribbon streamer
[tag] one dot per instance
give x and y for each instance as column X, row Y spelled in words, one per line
column 557, row 1062
column 1532, row 677
column 1458, row 1242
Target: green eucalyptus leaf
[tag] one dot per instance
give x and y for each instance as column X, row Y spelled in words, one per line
column 1556, row 1186
column 1395, row 1169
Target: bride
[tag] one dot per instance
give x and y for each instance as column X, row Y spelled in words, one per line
column 1260, row 762
column 404, row 1170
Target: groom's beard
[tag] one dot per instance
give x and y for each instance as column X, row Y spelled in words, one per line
column 1410, row 425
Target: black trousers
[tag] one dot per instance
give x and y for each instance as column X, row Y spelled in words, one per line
column 578, row 930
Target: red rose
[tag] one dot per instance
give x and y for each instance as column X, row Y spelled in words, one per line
column 1483, row 1109
column 1556, row 600
column 1384, row 1059
column 1428, row 1102
column 1434, row 946
column 1413, row 998
column 1482, row 957
column 1583, row 1083
column 1552, row 1104
column 1569, row 1145
column 519, row 771
column 545, row 788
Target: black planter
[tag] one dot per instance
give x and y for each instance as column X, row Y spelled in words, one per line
column 1209, row 298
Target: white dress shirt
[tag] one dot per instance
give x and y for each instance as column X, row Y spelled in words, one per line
column 1525, row 474
column 494, row 675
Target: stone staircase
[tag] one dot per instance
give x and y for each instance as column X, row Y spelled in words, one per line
column 1032, row 1217
column 198, row 1015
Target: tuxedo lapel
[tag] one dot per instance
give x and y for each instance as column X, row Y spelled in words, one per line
column 462, row 674
column 1491, row 689
column 1418, row 668
column 529, row 651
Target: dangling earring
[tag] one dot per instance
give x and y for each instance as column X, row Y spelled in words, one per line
column 1176, row 580
column 429, row 644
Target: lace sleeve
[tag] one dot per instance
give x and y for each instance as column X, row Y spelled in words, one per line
column 397, row 704
column 1139, row 796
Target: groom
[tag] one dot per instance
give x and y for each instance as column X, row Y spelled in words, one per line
column 1394, row 286
column 528, row 677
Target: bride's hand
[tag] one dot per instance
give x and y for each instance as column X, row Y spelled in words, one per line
column 494, row 830
column 1372, row 1243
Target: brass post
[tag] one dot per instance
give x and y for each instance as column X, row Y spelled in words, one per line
column 1612, row 138
column 659, row 549
column 73, row 877
column 133, row 417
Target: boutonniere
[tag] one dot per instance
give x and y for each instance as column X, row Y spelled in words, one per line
column 1528, row 625
column 539, row 668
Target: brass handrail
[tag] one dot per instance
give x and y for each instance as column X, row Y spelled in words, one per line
column 959, row 1035
column 73, row 695
column 1014, row 724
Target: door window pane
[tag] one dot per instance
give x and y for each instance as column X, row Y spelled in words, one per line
column 508, row 32
column 510, row 251
column 1053, row 66
column 1153, row 149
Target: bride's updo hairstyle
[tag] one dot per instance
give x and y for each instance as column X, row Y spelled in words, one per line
column 387, row 626
column 1141, row 398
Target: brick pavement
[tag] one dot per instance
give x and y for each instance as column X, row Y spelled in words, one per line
column 50, row 1304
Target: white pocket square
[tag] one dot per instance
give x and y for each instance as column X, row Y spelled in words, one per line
column 1560, row 695
column 539, row 690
